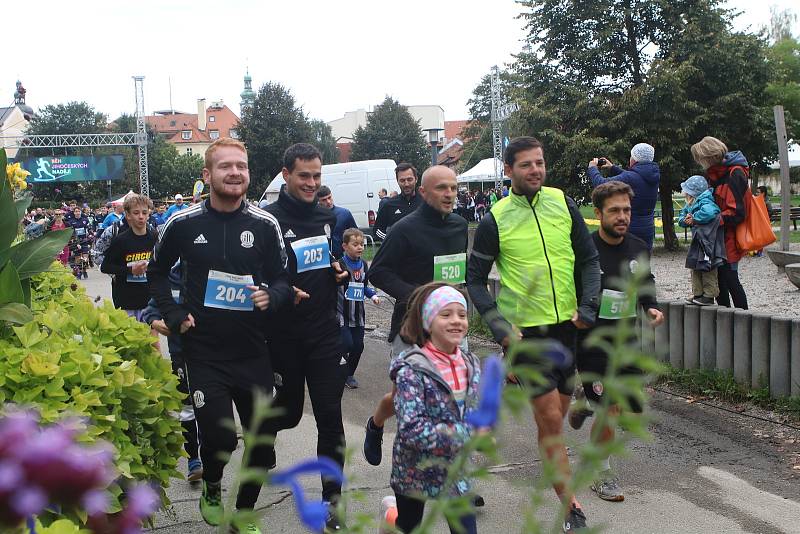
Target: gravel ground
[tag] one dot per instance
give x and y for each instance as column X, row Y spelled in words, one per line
column 768, row 290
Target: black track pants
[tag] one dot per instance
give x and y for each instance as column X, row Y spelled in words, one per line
column 729, row 284
column 318, row 362
column 214, row 384
column 410, row 511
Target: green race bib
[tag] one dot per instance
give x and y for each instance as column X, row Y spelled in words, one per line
column 617, row 305
column 451, row 269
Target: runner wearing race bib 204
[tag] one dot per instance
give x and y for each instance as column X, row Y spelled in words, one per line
column 235, row 283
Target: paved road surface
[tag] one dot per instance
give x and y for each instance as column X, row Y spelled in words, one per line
column 704, row 471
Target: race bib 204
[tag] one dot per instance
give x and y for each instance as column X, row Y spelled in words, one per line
column 228, row 291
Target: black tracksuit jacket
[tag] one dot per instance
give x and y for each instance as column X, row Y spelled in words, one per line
column 244, row 242
column 405, row 260
column 316, row 314
column 392, row 211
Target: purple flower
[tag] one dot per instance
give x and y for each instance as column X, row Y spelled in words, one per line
column 491, row 390
column 28, row 501
column 143, row 501
column 312, row 513
column 95, row 502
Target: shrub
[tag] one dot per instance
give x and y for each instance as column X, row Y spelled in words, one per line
column 97, row 363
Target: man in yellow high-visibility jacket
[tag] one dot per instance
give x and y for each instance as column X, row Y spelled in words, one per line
column 540, row 243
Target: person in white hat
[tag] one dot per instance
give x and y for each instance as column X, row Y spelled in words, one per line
column 175, row 208
column 643, row 176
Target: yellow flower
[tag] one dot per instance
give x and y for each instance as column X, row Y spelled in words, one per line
column 16, row 175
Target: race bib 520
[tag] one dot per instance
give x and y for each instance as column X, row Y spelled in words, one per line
column 451, row 269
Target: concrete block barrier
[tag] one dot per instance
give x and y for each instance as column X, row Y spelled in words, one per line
column 794, row 363
column 708, row 337
column 676, row 334
column 780, row 340
column 691, row 337
column 742, row 346
column 662, row 337
column 724, row 339
column 760, row 349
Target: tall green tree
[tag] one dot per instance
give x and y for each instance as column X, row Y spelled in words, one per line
column 598, row 77
column 784, row 86
column 274, row 122
column 323, row 139
column 391, row 133
column 170, row 172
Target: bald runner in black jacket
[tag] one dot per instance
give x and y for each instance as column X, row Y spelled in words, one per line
column 405, row 260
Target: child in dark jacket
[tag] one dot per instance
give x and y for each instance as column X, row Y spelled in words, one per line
column 436, row 384
column 707, row 250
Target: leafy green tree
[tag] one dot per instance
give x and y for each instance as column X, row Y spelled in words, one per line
column 784, row 87
column 69, row 118
column 323, row 139
column 598, row 77
column 169, row 171
column 391, row 133
column 273, row 123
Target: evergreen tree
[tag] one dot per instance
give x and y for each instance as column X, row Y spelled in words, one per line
column 391, row 133
column 267, row 128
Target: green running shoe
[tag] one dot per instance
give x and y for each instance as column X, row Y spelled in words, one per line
column 211, row 503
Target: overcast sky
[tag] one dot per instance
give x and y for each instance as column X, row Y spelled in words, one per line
column 335, row 56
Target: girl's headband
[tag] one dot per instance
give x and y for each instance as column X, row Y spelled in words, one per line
column 437, row 300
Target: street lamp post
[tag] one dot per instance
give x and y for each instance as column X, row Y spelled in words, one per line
column 433, row 139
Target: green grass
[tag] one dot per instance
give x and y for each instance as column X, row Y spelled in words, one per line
column 478, row 327
column 794, row 237
column 722, row 385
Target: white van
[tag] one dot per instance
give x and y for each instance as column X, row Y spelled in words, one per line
column 354, row 186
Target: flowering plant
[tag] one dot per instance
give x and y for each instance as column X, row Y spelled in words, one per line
column 16, row 176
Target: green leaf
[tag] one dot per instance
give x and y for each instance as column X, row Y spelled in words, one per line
column 22, row 204
column 26, row 291
column 15, row 313
column 9, row 224
column 10, row 288
column 34, row 256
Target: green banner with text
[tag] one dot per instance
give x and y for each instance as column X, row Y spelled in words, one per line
column 74, row 168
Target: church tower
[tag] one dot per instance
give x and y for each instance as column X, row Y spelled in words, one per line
column 247, row 95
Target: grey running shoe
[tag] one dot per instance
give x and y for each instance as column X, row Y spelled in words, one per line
column 703, row 301
column 575, row 520
column 607, row 488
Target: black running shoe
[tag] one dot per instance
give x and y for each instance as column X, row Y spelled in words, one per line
column 372, row 443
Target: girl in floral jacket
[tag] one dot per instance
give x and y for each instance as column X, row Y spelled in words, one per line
column 436, row 385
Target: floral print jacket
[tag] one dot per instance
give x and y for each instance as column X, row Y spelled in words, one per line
column 431, row 429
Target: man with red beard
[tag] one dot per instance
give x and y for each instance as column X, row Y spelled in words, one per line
column 234, row 270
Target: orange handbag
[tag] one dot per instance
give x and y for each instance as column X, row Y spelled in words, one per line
column 755, row 232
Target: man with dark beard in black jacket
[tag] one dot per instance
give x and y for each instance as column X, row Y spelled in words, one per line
column 305, row 342
column 428, row 245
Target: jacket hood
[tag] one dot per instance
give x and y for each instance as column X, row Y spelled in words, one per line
column 417, row 359
column 649, row 171
column 705, row 196
column 735, row 158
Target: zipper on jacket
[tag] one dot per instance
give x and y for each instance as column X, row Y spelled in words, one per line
column 549, row 267
column 224, row 241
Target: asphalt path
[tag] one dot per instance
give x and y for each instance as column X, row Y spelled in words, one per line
column 706, row 468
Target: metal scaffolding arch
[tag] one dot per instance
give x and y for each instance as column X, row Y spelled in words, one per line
column 138, row 139
column 500, row 112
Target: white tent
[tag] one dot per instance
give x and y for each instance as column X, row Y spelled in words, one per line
column 121, row 199
column 482, row 172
